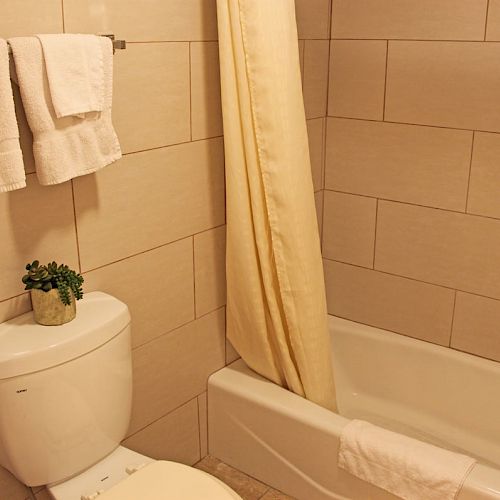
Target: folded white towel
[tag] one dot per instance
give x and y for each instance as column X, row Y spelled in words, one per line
column 12, row 174
column 406, row 467
column 75, row 71
column 63, row 147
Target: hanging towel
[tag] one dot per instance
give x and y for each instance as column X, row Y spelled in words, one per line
column 64, row 147
column 12, row 174
column 406, row 467
column 75, row 71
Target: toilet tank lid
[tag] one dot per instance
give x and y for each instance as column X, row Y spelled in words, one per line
column 27, row 347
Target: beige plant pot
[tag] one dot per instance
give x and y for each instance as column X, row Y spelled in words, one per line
column 49, row 310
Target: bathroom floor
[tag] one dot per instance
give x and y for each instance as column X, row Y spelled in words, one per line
column 247, row 487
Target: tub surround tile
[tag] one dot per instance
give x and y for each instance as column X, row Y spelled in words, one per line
column 37, row 223
column 301, row 59
column 206, row 111
column 174, row 368
column 318, row 201
column 485, row 176
column 455, row 250
column 157, row 304
column 316, row 135
column 155, row 20
column 390, row 302
column 210, row 270
column 245, row 486
column 493, row 27
column 313, row 18
column 421, row 165
column 231, row 353
column 427, row 82
column 151, row 86
column 422, row 20
column 15, row 306
column 357, row 78
column 316, row 55
column 349, row 230
column 25, row 17
column 475, row 326
column 173, row 437
column 203, row 423
column 149, row 199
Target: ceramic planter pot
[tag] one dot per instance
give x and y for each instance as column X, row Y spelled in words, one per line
column 49, row 310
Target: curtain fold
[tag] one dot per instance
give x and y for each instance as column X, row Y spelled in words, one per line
column 276, row 307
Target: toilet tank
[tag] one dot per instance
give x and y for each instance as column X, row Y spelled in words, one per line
column 65, row 391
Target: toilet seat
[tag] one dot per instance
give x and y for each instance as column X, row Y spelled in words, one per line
column 162, row 480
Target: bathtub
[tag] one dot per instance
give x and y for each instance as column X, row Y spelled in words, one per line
column 435, row 394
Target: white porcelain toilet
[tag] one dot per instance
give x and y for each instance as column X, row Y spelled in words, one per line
column 65, row 403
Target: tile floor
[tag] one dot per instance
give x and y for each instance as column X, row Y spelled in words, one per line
column 247, row 487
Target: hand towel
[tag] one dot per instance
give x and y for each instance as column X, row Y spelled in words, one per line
column 12, row 174
column 406, row 467
column 75, row 71
column 67, row 147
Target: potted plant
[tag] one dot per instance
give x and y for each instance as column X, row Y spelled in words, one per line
column 54, row 291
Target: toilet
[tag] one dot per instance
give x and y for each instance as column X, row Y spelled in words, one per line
column 65, row 405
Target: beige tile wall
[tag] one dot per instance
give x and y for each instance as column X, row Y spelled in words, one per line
column 411, row 223
column 150, row 228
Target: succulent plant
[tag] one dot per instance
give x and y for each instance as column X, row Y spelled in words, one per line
column 50, row 276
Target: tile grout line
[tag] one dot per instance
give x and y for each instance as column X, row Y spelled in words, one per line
column 375, row 234
column 194, row 279
column 452, row 317
column 385, row 78
column 405, row 40
column 381, row 271
column 63, row 20
column 412, row 204
column 470, row 173
column 486, row 19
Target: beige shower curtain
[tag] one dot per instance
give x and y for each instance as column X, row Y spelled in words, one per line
column 276, row 308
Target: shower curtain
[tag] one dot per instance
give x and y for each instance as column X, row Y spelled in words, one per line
column 276, row 307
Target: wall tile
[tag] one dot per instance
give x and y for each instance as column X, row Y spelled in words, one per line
column 156, row 285
column 37, row 223
column 450, row 249
column 349, row 228
column 485, row 176
column 10, row 487
column 231, row 353
column 206, row 113
column 316, row 134
column 427, row 82
column 26, row 17
column 301, row 59
column 318, row 200
column 174, row 368
column 475, row 326
column 210, row 270
column 148, row 199
column 357, row 78
column 315, row 77
column 173, row 437
column 11, row 308
column 390, row 302
column 493, row 29
column 154, row 20
column 313, row 18
column 151, row 86
column 203, row 420
column 424, row 20
column 421, row 165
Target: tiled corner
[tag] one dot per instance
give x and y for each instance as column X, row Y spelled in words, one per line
column 313, row 18
column 206, row 113
column 357, row 79
column 316, row 56
column 316, row 135
column 203, row 423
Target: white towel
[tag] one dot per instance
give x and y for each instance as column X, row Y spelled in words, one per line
column 75, row 71
column 63, row 147
column 406, row 467
column 12, row 174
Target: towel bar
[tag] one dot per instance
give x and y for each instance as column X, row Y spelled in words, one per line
column 117, row 44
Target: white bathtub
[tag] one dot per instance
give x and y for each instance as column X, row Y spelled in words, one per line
column 426, row 391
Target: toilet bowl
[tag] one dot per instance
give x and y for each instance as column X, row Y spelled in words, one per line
column 66, row 399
